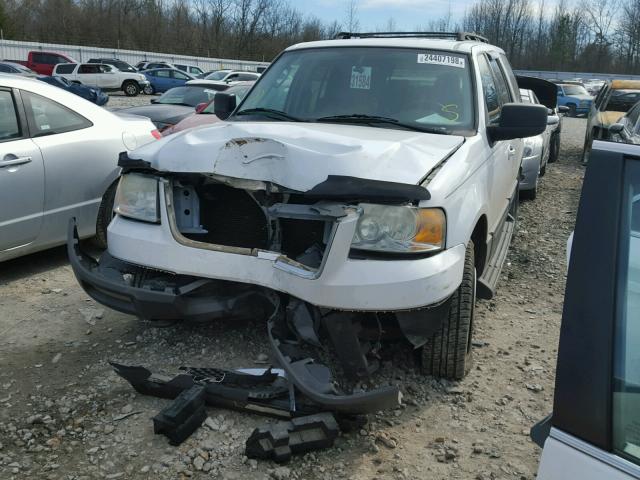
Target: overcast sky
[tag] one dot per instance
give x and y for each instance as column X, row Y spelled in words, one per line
column 407, row 14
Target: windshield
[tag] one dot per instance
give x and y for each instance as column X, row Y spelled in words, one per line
column 574, row 90
column 190, row 96
column 219, row 75
column 417, row 89
column 239, row 91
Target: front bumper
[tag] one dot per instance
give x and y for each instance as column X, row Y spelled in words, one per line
column 117, row 285
column 342, row 283
column 144, row 83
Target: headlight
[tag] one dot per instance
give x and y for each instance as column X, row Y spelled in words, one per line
column 392, row 229
column 137, row 197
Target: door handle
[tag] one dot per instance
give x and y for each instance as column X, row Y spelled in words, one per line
column 12, row 161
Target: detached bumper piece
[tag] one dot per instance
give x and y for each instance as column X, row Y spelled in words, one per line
column 183, row 417
column 278, row 442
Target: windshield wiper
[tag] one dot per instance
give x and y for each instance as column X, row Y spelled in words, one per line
column 372, row 119
column 269, row 112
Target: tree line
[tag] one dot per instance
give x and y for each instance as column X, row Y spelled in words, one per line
column 568, row 35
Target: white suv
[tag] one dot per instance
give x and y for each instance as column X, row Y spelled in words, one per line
column 373, row 178
column 101, row 75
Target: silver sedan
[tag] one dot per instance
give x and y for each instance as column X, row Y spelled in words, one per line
column 58, row 159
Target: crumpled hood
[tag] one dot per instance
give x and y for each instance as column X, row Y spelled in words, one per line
column 299, row 156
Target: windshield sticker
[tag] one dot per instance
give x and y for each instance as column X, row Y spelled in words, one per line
column 360, row 78
column 438, row 59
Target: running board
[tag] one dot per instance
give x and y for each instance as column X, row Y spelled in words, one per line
column 486, row 287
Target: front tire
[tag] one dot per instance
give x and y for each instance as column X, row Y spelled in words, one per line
column 554, row 152
column 130, row 89
column 105, row 215
column 148, row 90
column 448, row 352
column 529, row 194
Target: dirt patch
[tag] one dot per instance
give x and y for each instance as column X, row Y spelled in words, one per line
column 61, row 406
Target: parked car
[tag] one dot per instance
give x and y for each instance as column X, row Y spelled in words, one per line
column 94, row 95
column 614, row 100
column 190, row 69
column 211, row 84
column 358, row 176
column 594, row 86
column 114, row 62
column 592, row 432
column 58, row 159
column 163, row 79
column 152, row 65
column 575, row 97
column 102, row 76
column 16, row 69
column 232, row 76
column 174, row 105
column 537, row 150
column 205, row 115
column 43, row 62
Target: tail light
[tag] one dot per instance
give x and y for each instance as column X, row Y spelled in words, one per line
column 156, row 134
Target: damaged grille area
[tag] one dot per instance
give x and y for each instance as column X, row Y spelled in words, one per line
column 214, row 213
column 228, row 216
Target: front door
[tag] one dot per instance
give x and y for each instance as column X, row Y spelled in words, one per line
column 21, row 177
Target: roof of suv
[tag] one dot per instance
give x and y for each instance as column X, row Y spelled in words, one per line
column 463, row 46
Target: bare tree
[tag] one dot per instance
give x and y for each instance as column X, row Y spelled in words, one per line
column 351, row 21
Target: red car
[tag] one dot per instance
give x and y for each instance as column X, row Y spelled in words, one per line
column 43, row 62
column 204, row 114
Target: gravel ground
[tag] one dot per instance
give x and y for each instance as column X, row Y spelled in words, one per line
column 65, row 415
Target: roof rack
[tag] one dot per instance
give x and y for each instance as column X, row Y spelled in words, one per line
column 460, row 36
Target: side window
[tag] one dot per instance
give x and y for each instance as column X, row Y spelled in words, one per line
column 626, row 381
column 246, row 76
column 89, row 68
column 232, row 77
column 180, row 76
column 501, row 83
column 47, row 117
column 163, row 73
column 9, row 125
column 511, row 78
column 58, row 59
column 65, row 68
column 5, row 68
column 489, row 88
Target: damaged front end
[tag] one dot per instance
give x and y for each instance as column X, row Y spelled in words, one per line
column 202, row 246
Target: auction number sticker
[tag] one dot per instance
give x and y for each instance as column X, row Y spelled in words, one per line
column 439, row 59
column 361, row 78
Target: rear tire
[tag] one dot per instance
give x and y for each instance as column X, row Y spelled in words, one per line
column 105, row 215
column 448, row 352
column 130, row 89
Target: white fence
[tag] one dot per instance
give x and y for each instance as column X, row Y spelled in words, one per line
column 17, row 50
column 572, row 75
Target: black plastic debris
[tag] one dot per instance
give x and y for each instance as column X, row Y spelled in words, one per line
column 183, row 417
column 280, row 441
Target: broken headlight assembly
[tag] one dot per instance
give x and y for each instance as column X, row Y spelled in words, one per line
column 137, row 198
column 399, row 229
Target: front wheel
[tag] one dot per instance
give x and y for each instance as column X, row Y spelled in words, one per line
column 554, row 148
column 131, row 89
column 105, row 215
column 148, row 90
column 448, row 352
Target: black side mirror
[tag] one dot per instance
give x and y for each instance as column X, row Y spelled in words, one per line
column 224, row 104
column 518, row 120
column 563, row 109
